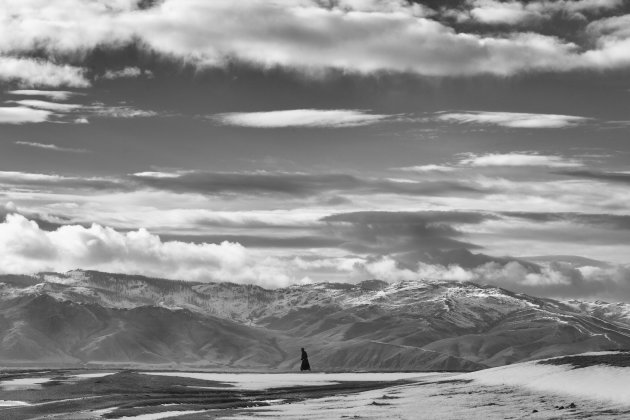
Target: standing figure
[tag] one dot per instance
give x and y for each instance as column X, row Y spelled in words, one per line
column 305, row 364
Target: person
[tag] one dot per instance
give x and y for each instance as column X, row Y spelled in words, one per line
column 305, row 364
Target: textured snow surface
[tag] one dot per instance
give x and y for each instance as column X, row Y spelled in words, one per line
column 520, row 391
column 92, row 375
column 22, row 383
column 259, row 381
column 437, row 401
column 604, row 383
column 162, row 415
column 4, row 403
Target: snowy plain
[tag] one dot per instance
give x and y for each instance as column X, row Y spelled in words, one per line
column 260, row 381
column 524, row 390
column 587, row 386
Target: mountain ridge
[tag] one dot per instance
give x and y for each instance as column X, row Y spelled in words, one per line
column 373, row 325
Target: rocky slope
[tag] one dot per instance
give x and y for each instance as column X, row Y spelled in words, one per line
column 81, row 317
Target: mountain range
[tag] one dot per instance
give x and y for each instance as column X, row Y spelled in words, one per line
column 89, row 317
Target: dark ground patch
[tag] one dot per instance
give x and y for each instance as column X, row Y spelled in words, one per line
column 132, row 393
column 620, row 359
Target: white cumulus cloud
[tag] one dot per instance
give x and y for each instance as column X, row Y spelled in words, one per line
column 513, row 12
column 25, row 248
column 362, row 36
column 37, row 72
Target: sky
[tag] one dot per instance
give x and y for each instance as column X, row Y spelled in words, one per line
column 284, row 142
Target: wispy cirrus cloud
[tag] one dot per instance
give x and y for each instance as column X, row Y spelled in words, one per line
column 234, row 184
column 427, row 168
column 49, row 106
column 59, row 183
column 611, row 221
column 512, row 119
column 327, row 118
column 38, row 110
column 519, row 159
column 617, row 177
column 48, row 146
column 296, row 184
column 55, row 95
column 512, row 159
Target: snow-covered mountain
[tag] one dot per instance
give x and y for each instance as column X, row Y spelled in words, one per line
column 87, row 316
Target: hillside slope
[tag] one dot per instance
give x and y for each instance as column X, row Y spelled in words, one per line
column 84, row 316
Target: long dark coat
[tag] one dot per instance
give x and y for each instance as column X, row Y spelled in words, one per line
column 305, row 365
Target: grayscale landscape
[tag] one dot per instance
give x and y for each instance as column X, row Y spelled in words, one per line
column 314, row 209
column 88, row 345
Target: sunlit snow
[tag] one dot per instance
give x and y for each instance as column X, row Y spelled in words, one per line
column 259, row 381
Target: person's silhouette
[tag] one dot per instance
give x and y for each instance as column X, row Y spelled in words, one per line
column 305, row 365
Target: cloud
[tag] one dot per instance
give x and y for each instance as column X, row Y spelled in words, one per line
column 519, row 159
column 127, row 72
column 427, row 168
column 240, row 184
column 306, row 35
column 44, row 221
column 75, row 113
column 332, row 118
column 609, row 221
column 59, row 183
column 514, row 12
column 55, row 95
column 295, row 184
column 47, row 146
column 557, row 280
column 23, row 115
column 261, row 241
column 513, row 159
column 103, row 111
column 25, row 248
column 383, row 233
column 49, row 106
column 509, row 12
column 232, row 184
column 586, row 5
column 616, row 27
column 38, row 72
column 618, row 177
column 513, row 119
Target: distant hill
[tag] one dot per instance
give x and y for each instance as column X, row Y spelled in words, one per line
column 88, row 316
